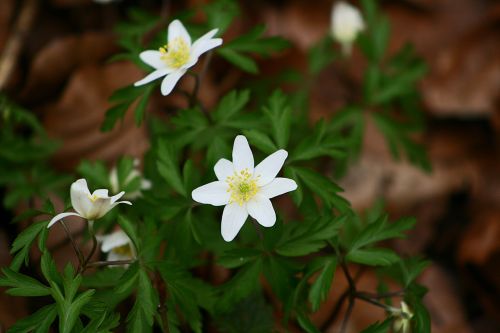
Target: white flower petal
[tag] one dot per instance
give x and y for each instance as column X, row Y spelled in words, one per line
column 261, row 209
column 277, row 187
column 223, row 168
column 113, row 240
column 153, row 59
column 233, row 218
column 116, row 197
column 214, row 193
column 242, row 154
column 113, row 256
column 270, row 166
column 175, row 30
column 153, row 76
column 170, row 81
column 80, row 194
column 101, row 193
column 203, row 45
column 59, row 217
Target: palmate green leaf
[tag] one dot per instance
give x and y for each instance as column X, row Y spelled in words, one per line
column 244, row 62
column 105, row 323
column 251, row 42
column 38, row 322
column 22, row 285
column 230, row 105
column 130, row 230
column 260, row 140
column 307, row 324
column 128, row 280
column 321, row 55
column 23, row 242
column 321, row 286
column 399, row 84
column 187, row 293
column 325, row 188
column 382, row 327
column 141, row 317
column 241, row 285
column 238, row 257
column 68, row 303
column 279, row 114
column 318, row 144
column 373, row 256
column 308, row 236
column 382, row 230
column 96, row 173
column 168, row 167
column 221, row 13
column 279, row 273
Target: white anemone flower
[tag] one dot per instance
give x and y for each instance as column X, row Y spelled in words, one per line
column 89, row 206
column 347, row 23
column 118, row 246
column 402, row 324
column 245, row 189
column 134, row 173
column 176, row 57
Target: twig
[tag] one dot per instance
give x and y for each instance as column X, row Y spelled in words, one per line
column 109, row 263
column 77, row 250
column 13, row 46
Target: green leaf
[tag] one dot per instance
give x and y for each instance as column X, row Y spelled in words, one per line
column 168, row 167
column 321, row 55
column 321, row 287
column 22, row 285
column 239, row 60
column 113, row 114
column 280, row 115
column 130, row 230
column 221, row 13
column 308, row 236
column 25, row 239
column 323, row 187
column 231, row 104
column 38, row 322
column 141, row 317
column 141, row 106
column 238, row 257
column 382, row 230
column 261, row 141
column 382, row 327
column 96, row 173
column 421, row 318
column 373, row 256
column 307, row 324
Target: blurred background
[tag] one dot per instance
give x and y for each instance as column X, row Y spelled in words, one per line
column 54, row 62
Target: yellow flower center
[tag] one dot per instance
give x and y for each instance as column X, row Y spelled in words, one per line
column 176, row 53
column 93, row 197
column 124, row 250
column 242, row 186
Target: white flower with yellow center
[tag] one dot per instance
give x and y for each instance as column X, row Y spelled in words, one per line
column 245, row 190
column 89, row 206
column 176, row 57
column 118, row 246
column 347, row 23
column 402, row 324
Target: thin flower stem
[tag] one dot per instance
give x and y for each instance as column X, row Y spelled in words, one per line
column 374, row 302
column 110, row 263
column 94, row 247
column 77, row 250
column 347, row 315
column 396, row 293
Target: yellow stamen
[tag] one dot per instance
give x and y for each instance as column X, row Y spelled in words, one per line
column 93, row 197
column 124, row 250
column 176, row 53
column 242, row 186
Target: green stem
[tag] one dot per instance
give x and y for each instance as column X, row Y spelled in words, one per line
column 77, row 250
